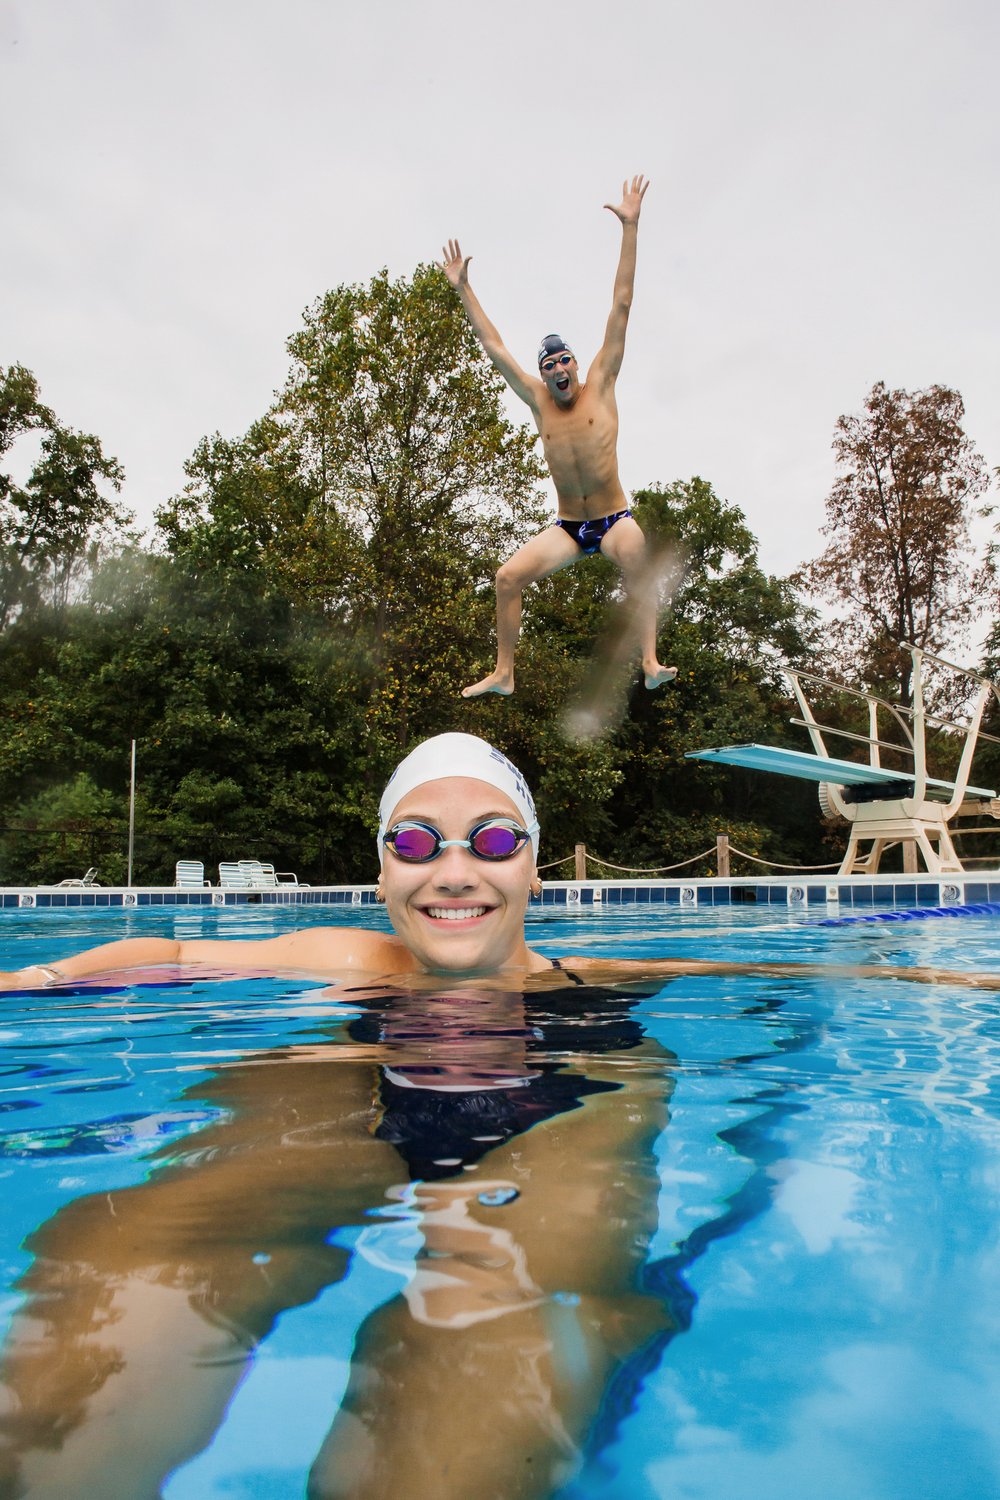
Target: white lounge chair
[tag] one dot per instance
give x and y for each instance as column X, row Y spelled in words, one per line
column 189, row 875
column 259, row 877
column 262, row 876
column 282, row 877
column 253, row 875
column 87, row 879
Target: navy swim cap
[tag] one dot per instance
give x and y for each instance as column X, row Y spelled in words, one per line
column 551, row 344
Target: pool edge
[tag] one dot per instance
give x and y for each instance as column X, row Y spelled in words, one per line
column 847, row 891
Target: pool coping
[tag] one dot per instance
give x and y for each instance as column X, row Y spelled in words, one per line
column 838, row 891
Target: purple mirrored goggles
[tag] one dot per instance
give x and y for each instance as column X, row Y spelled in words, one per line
column 496, row 839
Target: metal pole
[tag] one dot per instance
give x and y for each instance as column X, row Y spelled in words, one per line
column 131, row 815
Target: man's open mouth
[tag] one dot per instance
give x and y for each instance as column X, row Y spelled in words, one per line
column 562, row 384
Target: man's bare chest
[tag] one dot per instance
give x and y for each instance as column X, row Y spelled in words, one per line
column 589, row 425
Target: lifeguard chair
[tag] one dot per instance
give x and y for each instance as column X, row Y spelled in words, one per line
column 883, row 806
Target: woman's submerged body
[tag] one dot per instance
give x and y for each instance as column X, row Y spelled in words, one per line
column 525, row 1168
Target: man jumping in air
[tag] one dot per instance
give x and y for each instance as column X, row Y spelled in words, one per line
column 579, row 431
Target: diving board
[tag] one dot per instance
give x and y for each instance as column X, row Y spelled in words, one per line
column 821, row 768
column 887, row 807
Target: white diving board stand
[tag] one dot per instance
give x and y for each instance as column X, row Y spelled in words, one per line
column 915, row 809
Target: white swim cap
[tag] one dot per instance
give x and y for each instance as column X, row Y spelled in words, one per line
column 457, row 755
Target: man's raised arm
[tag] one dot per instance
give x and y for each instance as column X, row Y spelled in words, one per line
column 609, row 360
column 456, row 268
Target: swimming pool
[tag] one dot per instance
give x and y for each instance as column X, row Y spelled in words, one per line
column 779, row 1203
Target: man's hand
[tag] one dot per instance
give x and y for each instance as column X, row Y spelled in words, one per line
column 628, row 209
column 454, row 266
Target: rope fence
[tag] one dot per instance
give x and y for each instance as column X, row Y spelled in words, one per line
column 775, row 865
column 581, row 858
column 658, row 870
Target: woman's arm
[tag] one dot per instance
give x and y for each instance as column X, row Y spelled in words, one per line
column 128, row 953
column 623, row 971
column 322, row 951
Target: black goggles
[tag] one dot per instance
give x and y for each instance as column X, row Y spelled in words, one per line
column 549, row 365
column 496, row 838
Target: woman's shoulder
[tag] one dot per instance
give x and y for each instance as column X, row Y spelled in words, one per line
column 332, row 950
column 582, row 969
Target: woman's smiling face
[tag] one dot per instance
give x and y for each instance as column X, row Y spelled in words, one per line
column 458, row 914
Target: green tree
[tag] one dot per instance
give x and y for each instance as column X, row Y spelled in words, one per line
column 61, row 832
column 382, row 490
column 399, row 417
column 729, row 628
column 387, row 440
column 249, row 736
column 248, row 508
column 21, row 411
column 899, row 564
column 263, row 731
column 62, row 517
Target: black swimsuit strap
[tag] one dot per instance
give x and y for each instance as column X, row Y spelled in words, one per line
column 568, row 972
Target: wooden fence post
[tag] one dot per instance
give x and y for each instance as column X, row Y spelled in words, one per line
column 580, row 859
column 722, row 856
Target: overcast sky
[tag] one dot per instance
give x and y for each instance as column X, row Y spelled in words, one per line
column 180, row 178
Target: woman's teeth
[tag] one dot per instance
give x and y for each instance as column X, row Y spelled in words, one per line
column 455, row 913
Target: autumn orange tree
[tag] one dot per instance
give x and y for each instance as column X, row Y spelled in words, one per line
column 899, row 564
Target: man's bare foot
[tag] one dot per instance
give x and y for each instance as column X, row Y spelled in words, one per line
column 659, row 676
column 496, row 682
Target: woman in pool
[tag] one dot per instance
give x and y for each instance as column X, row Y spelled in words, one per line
column 457, row 841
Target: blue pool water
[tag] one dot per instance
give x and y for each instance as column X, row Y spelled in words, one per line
column 820, row 1254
